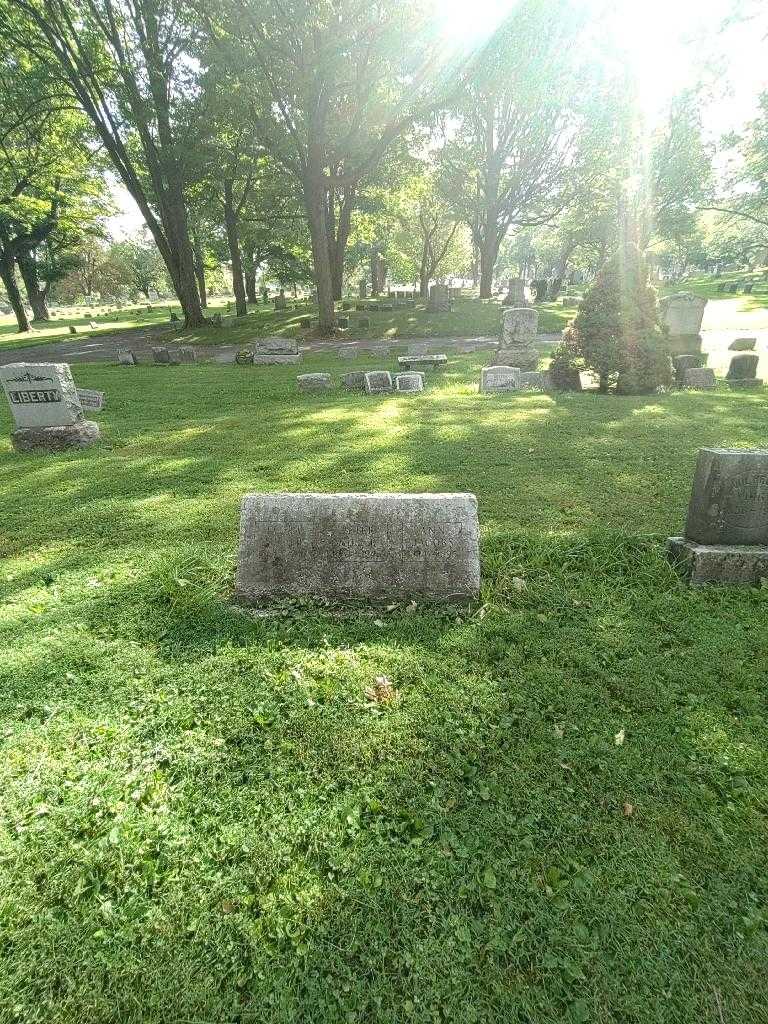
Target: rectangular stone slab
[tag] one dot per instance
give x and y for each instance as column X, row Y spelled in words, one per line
column 274, row 360
column 41, row 394
column 724, row 564
column 90, row 399
column 350, row 546
column 729, row 497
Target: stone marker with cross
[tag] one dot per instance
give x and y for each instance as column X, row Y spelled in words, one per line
column 375, row 547
column 500, row 378
column 726, row 532
column 46, row 409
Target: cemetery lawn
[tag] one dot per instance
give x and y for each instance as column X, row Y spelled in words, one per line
column 203, row 818
column 469, row 318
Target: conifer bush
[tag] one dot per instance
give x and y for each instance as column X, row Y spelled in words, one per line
column 617, row 332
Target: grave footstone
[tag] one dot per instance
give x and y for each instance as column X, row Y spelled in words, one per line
column 686, row 361
column 699, row 378
column 726, row 531
column 126, row 357
column 535, row 380
column 500, row 378
column 743, row 345
column 358, row 546
column 47, row 412
column 378, row 382
column 273, row 351
column 91, row 400
column 409, row 382
column 161, row 356
column 314, row 381
column 354, row 381
column 430, row 360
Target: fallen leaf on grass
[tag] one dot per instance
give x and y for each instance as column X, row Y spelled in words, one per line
column 628, row 810
column 559, row 731
column 382, row 691
column 519, row 584
column 618, row 739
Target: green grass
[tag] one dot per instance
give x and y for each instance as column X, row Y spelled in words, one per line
column 202, row 819
column 470, row 318
column 706, row 285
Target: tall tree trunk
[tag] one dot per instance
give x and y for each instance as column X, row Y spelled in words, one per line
column 488, row 255
column 233, row 240
column 37, row 298
column 338, row 236
column 178, row 254
column 374, row 273
column 8, row 277
column 314, row 203
column 249, row 276
column 200, row 275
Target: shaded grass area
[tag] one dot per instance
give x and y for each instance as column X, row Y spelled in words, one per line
column 470, row 317
column 706, row 285
column 203, row 819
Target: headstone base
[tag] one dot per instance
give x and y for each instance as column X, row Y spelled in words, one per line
column 727, row 564
column 744, row 383
column 270, row 360
column 55, row 439
column 523, row 357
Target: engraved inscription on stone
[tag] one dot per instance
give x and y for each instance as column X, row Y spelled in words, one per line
column 41, row 394
column 377, row 546
column 729, row 501
column 699, row 378
column 90, row 399
column 500, row 378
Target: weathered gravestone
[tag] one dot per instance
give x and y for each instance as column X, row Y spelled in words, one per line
column 280, row 301
column 699, row 378
column 430, row 360
column 187, row 354
column 363, row 289
column 91, row 400
column 161, row 356
column 125, row 357
column 726, row 532
column 314, row 381
column 378, row 382
column 354, row 381
column 500, row 378
column 348, row 546
column 347, row 352
column 742, row 373
column 518, row 338
column 682, row 313
column 742, row 345
column 46, row 410
column 515, row 293
column 271, row 351
column 409, row 382
column 535, row 380
column 684, row 362
column 439, row 299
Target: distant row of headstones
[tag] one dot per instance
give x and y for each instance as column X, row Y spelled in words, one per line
column 690, row 371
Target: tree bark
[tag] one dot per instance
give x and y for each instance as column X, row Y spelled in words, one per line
column 35, row 294
column 200, row 275
column 249, row 276
column 8, row 277
column 488, row 255
column 314, row 203
column 374, row 273
column 233, row 241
